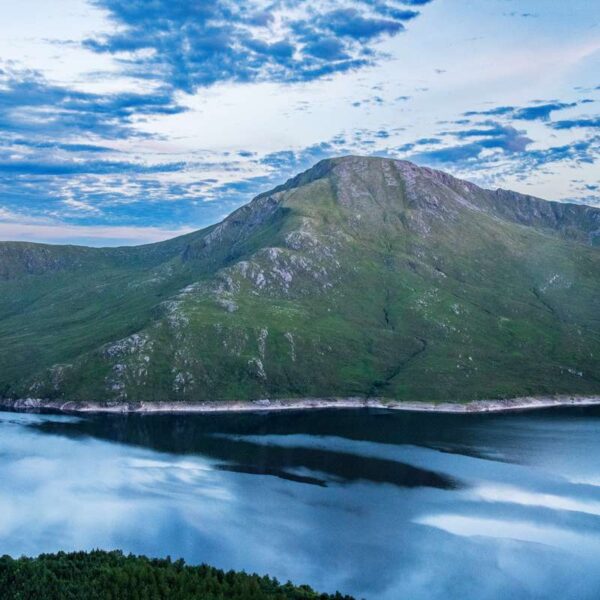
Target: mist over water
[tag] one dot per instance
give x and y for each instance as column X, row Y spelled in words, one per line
column 380, row 505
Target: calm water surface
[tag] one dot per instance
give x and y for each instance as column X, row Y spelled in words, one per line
column 382, row 505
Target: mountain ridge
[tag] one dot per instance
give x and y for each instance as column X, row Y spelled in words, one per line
column 325, row 166
column 361, row 276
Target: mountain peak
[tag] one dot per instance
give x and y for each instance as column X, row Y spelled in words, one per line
column 373, row 186
column 328, row 166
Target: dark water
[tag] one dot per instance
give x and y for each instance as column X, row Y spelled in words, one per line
column 382, row 505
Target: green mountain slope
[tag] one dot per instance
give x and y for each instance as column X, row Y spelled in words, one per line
column 361, row 276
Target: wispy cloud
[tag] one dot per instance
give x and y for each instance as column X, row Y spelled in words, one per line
column 489, row 136
column 32, row 106
column 586, row 122
column 191, row 44
column 536, row 111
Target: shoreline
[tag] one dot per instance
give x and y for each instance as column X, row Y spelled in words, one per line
column 472, row 407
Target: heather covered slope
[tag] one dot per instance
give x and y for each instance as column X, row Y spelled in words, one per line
column 362, row 276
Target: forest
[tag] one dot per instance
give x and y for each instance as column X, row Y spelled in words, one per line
column 100, row 575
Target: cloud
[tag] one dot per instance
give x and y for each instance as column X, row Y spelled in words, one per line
column 490, row 151
column 349, row 23
column 496, row 111
column 20, row 226
column 489, row 136
column 88, row 235
column 32, row 106
column 541, row 111
column 583, row 151
column 538, row 111
column 76, row 167
column 591, row 122
column 122, row 199
column 187, row 45
column 58, row 155
column 493, row 149
column 49, row 145
column 425, row 141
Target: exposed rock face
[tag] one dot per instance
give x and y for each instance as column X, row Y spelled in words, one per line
column 361, row 276
column 581, row 223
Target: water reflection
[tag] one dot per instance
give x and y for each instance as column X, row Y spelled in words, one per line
column 384, row 506
column 244, row 453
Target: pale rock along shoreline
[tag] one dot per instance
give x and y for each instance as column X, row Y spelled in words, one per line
column 478, row 406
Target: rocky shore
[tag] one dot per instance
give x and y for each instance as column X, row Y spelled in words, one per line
column 479, row 406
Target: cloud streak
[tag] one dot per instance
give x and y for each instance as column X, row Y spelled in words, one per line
column 32, row 106
column 539, row 111
column 194, row 44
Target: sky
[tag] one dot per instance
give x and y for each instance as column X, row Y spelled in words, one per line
column 132, row 121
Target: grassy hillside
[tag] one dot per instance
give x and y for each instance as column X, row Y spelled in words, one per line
column 113, row 576
column 362, row 276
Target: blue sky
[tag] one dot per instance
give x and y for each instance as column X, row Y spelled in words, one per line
column 129, row 121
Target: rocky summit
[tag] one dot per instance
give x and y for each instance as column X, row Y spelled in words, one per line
column 362, row 277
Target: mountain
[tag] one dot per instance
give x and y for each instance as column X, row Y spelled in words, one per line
column 359, row 277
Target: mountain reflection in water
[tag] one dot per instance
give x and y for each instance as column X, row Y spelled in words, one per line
column 381, row 505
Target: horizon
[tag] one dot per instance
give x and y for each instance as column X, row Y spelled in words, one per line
column 123, row 128
column 183, row 233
